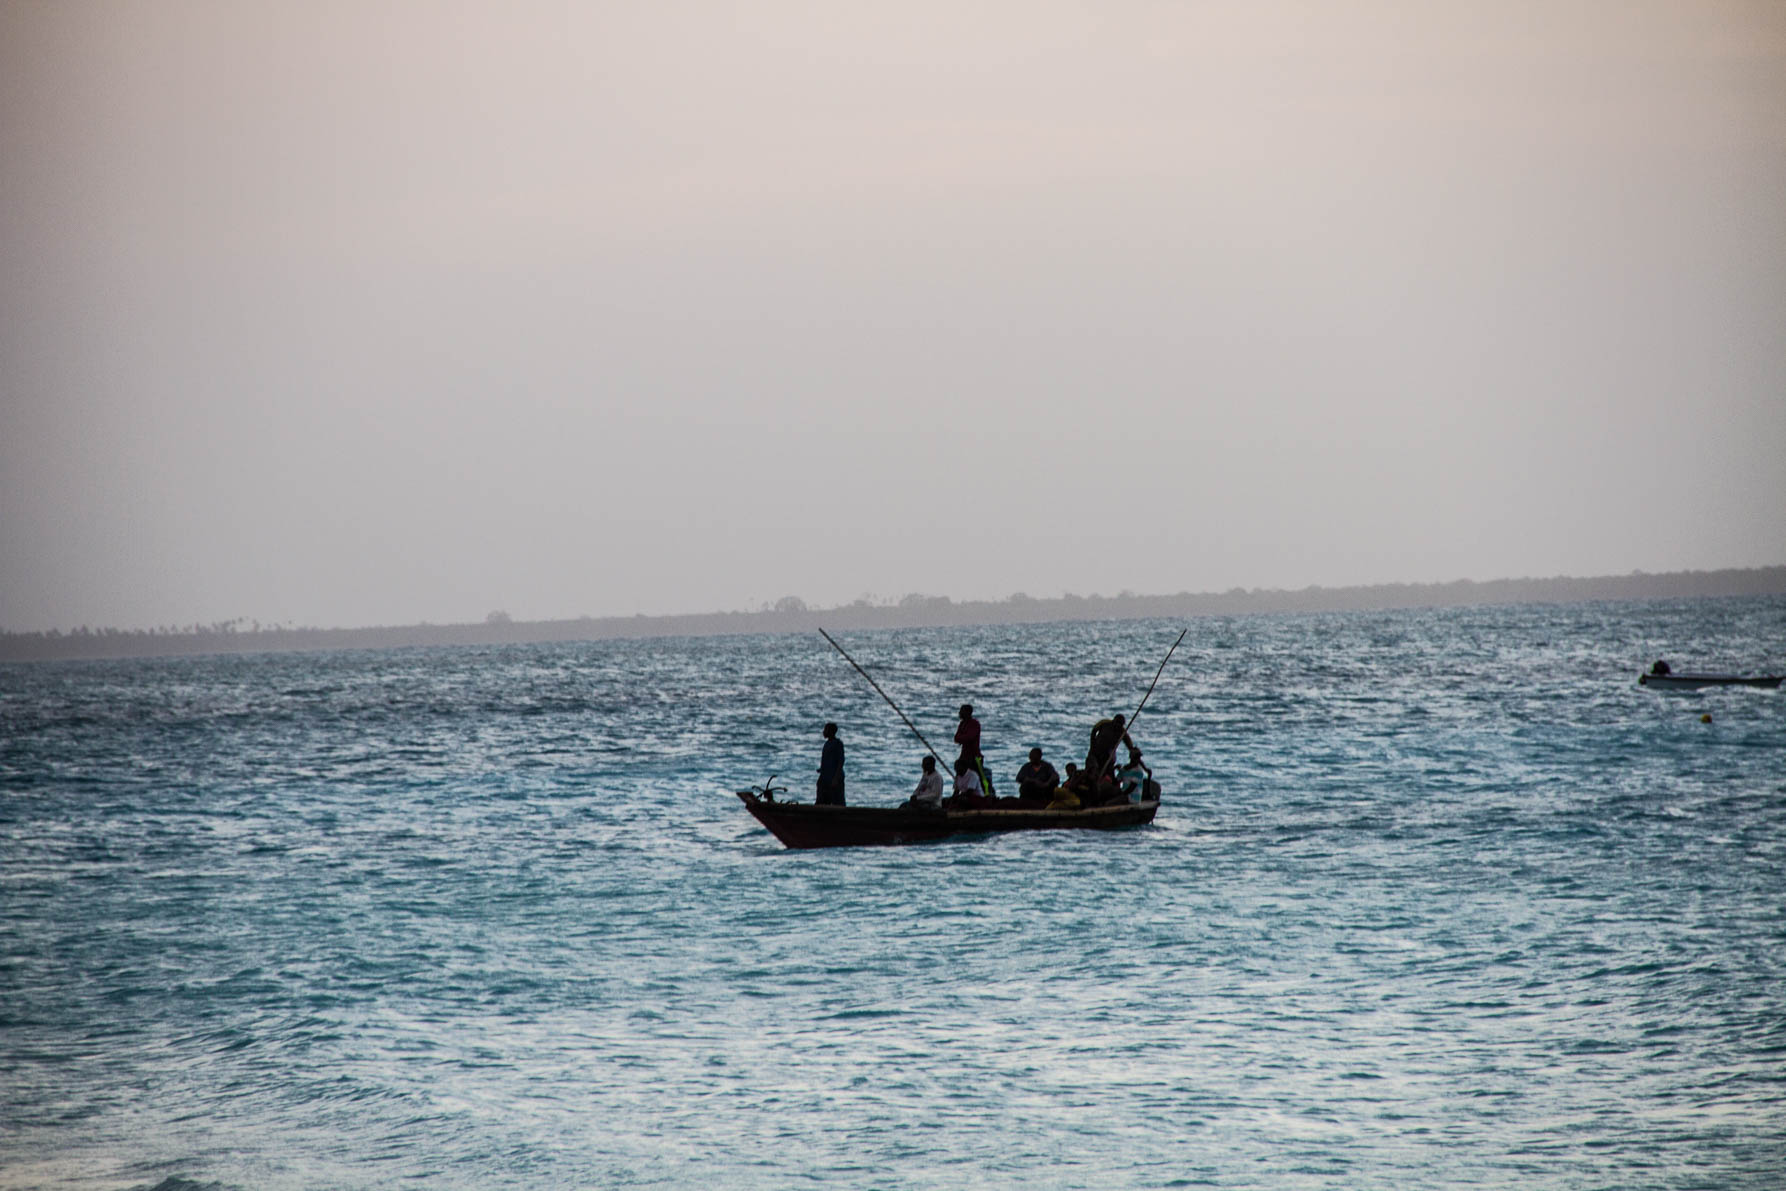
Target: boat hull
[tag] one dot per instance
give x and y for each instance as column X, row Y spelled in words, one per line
column 803, row 825
column 1688, row 682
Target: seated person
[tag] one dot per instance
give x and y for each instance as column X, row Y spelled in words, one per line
column 929, row 794
column 1037, row 780
column 1077, row 789
column 968, row 795
column 1097, row 789
column 1066, row 796
column 1133, row 778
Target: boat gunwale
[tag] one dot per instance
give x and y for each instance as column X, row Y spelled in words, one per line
column 944, row 814
column 793, row 822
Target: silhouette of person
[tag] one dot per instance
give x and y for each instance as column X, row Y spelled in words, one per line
column 830, row 792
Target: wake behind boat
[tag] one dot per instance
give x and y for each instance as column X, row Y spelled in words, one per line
column 804, row 825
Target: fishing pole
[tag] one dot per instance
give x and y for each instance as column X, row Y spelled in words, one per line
column 1156, row 680
column 881, row 693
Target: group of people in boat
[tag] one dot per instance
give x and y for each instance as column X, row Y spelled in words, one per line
column 1102, row 781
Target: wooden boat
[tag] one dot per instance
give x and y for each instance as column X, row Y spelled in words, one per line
column 803, row 825
column 1683, row 682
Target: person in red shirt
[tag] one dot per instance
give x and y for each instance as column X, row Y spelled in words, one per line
column 967, row 735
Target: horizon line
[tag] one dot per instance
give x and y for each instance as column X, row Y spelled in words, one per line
column 914, row 610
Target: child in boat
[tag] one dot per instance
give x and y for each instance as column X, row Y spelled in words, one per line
column 1066, row 795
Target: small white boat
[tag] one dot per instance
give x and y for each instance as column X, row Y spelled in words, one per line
column 1662, row 676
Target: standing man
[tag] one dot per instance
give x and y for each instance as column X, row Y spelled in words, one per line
column 1100, row 759
column 967, row 735
column 831, row 769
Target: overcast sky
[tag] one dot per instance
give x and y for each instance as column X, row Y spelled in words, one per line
column 363, row 313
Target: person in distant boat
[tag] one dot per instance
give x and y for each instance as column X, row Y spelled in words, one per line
column 831, row 769
column 1134, row 778
column 1661, row 668
column 967, row 735
column 1100, row 758
column 1037, row 780
column 929, row 794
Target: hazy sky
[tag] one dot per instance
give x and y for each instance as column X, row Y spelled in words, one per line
column 365, row 313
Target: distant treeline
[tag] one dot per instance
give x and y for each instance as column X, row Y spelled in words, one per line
column 791, row 614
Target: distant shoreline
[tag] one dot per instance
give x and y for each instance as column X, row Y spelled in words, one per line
column 912, row 612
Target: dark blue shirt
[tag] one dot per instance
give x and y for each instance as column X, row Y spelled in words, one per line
column 831, row 761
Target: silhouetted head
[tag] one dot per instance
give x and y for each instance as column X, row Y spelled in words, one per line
column 1035, row 754
column 967, row 711
column 1117, row 720
column 930, row 765
column 1134, row 756
column 830, row 731
column 1071, row 769
column 962, row 767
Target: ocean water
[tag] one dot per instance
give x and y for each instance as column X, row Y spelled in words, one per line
column 1435, row 899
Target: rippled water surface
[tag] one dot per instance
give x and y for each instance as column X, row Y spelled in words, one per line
column 1435, row 899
